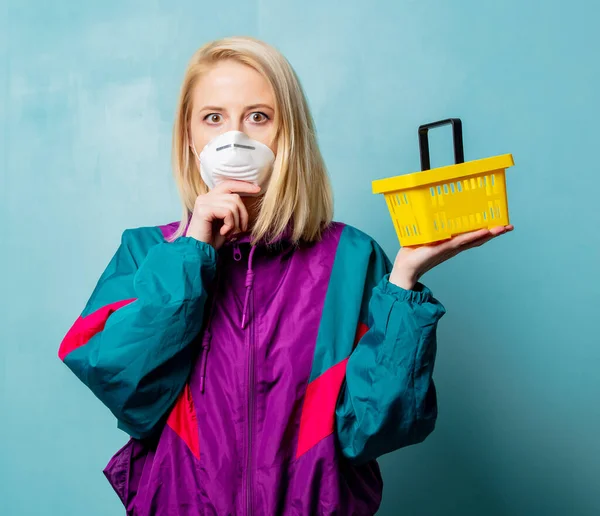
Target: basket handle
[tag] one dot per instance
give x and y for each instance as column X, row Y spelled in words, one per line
column 459, row 153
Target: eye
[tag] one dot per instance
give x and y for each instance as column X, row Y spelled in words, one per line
column 213, row 118
column 258, row 117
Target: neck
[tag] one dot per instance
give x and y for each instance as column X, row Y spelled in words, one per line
column 253, row 205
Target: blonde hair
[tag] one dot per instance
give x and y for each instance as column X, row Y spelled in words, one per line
column 299, row 191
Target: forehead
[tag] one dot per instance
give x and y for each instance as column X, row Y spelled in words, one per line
column 231, row 84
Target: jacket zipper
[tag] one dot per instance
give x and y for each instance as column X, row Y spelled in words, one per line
column 249, row 479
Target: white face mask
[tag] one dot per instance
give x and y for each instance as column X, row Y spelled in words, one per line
column 233, row 155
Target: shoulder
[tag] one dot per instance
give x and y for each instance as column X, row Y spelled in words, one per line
column 354, row 248
column 139, row 240
column 349, row 237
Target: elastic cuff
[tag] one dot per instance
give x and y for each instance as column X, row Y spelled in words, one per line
column 420, row 294
column 191, row 242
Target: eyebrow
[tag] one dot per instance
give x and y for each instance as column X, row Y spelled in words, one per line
column 253, row 106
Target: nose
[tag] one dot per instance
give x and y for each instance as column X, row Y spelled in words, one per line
column 235, row 123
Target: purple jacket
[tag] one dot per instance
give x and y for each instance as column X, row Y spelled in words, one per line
column 258, row 380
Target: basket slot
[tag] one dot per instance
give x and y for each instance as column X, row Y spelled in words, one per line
column 398, row 228
column 401, row 199
column 434, row 199
column 438, row 223
column 391, row 206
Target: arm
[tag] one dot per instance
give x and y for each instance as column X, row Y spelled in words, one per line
column 389, row 398
column 132, row 345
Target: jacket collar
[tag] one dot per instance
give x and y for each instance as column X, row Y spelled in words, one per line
column 246, row 238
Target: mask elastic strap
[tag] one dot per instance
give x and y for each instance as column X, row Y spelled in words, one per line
column 195, row 151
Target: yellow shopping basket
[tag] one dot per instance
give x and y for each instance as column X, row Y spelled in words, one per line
column 434, row 205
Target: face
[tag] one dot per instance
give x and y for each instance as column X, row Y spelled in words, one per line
column 233, row 97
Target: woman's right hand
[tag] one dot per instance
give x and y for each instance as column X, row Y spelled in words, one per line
column 220, row 213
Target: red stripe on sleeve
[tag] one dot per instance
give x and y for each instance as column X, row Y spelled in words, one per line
column 86, row 327
column 360, row 331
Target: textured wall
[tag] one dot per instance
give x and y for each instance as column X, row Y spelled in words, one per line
column 87, row 93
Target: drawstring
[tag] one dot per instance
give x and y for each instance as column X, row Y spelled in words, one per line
column 207, row 337
column 249, row 285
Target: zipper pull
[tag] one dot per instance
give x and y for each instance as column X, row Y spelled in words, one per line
column 237, row 254
column 249, row 285
column 205, row 348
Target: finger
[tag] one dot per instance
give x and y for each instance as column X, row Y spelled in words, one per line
column 457, row 242
column 477, row 243
column 498, row 230
column 242, row 211
column 228, row 223
column 467, row 239
column 222, row 212
column 232, row 208
column 493, row 233
column 233, row 186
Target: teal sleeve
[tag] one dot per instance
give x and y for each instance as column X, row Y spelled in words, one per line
column 388, row 400
column 138, row 360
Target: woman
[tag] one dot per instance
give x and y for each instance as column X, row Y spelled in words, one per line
column 260, row 356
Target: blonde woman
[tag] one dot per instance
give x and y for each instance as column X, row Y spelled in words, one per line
column 260, row 356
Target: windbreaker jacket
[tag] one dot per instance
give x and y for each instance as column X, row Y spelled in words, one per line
column 257, row 380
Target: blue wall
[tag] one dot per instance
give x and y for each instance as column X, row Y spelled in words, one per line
column 87, row 95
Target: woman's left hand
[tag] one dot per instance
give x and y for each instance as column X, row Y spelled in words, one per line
column 412, row 262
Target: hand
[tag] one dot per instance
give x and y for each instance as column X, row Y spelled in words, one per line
column 412, row 262
column 220, row 213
